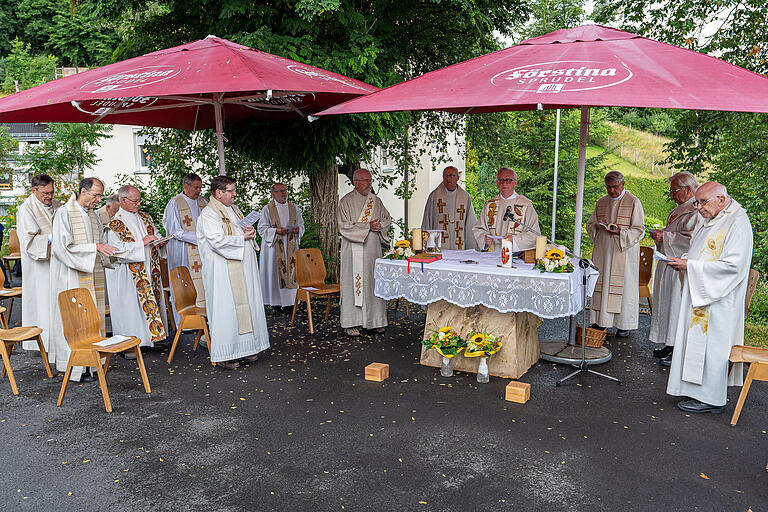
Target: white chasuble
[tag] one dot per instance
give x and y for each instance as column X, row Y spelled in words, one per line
column 270, row 262
column 711, row 317
column 492, row 222
column 136, row 302
column 616, row 299
column 74, row 264
column 359, row 249
column 682, row 222
column 34, row 225
column 231, row 282
column 454, row 214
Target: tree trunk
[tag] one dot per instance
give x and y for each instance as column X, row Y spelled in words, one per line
column 324, row 193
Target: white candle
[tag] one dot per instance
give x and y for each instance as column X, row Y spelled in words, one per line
column 416, row 244
column 541, row 246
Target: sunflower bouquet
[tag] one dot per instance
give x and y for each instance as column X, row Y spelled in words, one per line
column 482, row 344
column 446, row 341
column 554, row 260
column 401, row 251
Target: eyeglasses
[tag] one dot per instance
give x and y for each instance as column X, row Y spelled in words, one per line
column 506, row 180
column 98, row 196
column 676, row 190
column 698, row 204
column 451, row 176
column 134, row 201
column 280, row 191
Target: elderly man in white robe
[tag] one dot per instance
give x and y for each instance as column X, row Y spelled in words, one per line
column 716, row 274
column 135, row 308
column 449, row 208
column 616, row 227
column 34, row 224
column 78, row 252
column 363, row 224
column 672, row 241
column 281, row 227
column 180, row 221
column 509, row 215
column 231, row 279
column 106, row 212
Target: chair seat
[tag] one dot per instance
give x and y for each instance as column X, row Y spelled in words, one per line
column 13, row 256
column 109, row 349
column 742, row 354
column 10, row 292
column 19, row 333
column 192, row 310
column 324, row 289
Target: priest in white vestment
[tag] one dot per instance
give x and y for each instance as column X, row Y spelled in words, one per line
column 34, row 225
column 235, row 309
column 281, row 227
column 180, row 221
column 711, row 321
column 672, row 241
column 106, row 212
column 505, row 215
column 449, row 208
column 136, row 309
column 363, row 225
column 616, row 227
column 78, row 247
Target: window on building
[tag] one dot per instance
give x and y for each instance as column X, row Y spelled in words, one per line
column 143, row 157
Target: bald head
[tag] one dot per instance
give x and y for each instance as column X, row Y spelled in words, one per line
column 450, row 178
column 130, row 198
column 711, row 198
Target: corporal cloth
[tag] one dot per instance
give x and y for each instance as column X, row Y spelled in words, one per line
column 231, row 281
column 616, row 299
column 492, row 222
column 277, row 261
column 74, row 264
column 682, row 222
column 453, row 213
column 180, row 221
column 712, row 308
column 135, row 286
column 359, row 249
column 34, row 224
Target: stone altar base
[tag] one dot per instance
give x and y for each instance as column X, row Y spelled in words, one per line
column 518, row 332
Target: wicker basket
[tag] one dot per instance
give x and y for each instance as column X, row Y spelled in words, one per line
column 595, row 337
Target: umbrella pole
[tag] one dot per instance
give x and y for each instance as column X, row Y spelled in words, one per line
column 220, row 134
column 554, row 189
column 583, row 132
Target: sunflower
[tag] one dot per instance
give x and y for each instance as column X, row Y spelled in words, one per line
column 478, row 338
column 554, row 254
column 403, row 244
column 444, row 329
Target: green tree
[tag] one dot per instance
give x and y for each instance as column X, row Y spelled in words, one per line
column 7, row 25
column 25, row 69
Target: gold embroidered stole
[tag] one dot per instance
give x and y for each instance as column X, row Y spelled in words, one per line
column 149, row 286
column 358, row 280
column 44, row 218
column 454, row 220
column 619, row 260
column 286, row 270
column 496, row 217
column 193, row 254
column 93, row 281
column 235, row 270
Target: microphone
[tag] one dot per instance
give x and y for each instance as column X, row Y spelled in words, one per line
column 508, row 215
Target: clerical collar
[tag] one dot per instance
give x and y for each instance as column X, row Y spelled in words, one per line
column 620, row 196
column 514, row 195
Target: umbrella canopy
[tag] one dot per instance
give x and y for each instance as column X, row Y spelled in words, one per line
column 590, row 65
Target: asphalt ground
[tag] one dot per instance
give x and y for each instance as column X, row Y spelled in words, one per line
column 302, row 430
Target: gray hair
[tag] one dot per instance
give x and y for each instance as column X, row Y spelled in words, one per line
column 111, row 200
column 684, row 179
column 125, row 190
column 354, row 174
column 614, row 177
column 506, row 169
column 190, row 178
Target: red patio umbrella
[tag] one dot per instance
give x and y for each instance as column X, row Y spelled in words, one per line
column 193, row 86
column 584, row 67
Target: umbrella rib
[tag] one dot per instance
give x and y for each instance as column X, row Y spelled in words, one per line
column 158, row 107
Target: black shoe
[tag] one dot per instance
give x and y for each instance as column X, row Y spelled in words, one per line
column 663, row 352
column 87, row 377
column 595, row 326
column 228, row 365
column 622, row 333
column 696, row 406
column 666, row 361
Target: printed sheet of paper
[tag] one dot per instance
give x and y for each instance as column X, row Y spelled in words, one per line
column 114, row 340
column 250, row 219
column 660, row 256
column 160, row 240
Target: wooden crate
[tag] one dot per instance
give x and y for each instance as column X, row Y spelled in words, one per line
column 377, row 372
column 519, row 392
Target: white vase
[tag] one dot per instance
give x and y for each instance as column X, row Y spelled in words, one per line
column 482, row 370
column 445, row 369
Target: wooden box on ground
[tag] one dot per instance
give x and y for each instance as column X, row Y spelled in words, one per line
column 377, row 372
column 519, row 392
column 518, row 332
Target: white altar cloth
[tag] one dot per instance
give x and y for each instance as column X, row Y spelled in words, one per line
column 520, row 289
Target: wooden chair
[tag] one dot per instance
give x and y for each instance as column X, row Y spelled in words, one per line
column 756, row 358
column 81, row 323
column 10, row 294
column 191, row 316
column 310, row 274
column 8, row 338
column 14, row 248
column 167, row 291
column 646, row 274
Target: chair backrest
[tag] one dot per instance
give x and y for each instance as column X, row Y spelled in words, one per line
column 310, row 267
column 164, row 272
column 79, row 317
column 646, row 265
column 184, row 293
column 754, row 275
column 14, row 246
